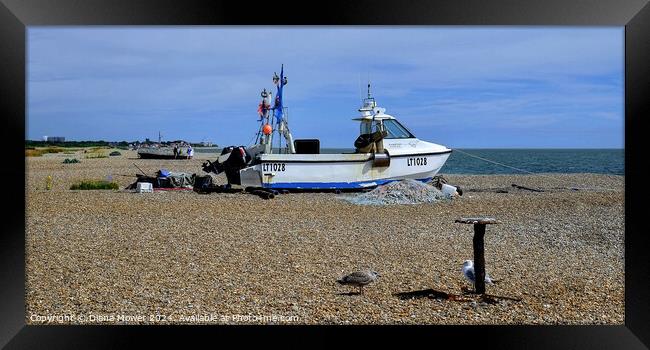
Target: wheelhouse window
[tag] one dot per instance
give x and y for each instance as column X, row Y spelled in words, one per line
column 366, row 126
column 396, row 130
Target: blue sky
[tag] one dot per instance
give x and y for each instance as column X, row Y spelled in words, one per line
column 462, row 87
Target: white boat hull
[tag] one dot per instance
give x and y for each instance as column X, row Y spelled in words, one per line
column 342, row 171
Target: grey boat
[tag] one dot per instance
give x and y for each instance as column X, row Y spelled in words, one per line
column 160, row 151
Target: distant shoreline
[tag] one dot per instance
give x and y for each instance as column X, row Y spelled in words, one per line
column 75, row 144
column 475, row 161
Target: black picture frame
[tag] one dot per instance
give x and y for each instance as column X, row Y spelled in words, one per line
column 16, row 15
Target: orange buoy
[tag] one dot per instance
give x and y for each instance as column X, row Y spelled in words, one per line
column 267, row 129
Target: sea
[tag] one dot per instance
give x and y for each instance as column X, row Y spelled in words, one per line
column 486, row 161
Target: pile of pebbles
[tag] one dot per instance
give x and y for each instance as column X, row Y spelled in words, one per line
column 400, row 192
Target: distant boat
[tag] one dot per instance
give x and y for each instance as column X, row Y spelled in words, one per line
column 163, row 151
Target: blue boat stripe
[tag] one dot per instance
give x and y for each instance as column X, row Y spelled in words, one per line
column 332, row 185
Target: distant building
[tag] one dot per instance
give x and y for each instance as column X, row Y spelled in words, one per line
column 206, row 144
column 54, row 138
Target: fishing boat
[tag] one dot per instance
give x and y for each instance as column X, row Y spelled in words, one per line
column 172, row 150
column 163, row 152
column 385, row 151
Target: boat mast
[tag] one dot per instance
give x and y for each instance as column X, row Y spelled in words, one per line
column 263, row 137
column 369, row 109
column 276, row 121
column 279, row 113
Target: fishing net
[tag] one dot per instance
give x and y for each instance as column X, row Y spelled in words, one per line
column 400, row 192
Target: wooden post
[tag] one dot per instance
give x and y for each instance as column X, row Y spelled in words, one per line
column 479, row 258
column 479, row 249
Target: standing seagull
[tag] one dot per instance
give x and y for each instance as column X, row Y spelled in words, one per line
column 468, row 271
column 359, row 279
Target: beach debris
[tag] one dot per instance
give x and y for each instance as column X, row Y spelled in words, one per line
column 203, row 184
column 170, row 179
column 359, row 279
column 478, row 247
column 212, row 188
column 400, row 192
column 144, row 187
column 495, row 190
column 142, row 178
column 166, row 179
column 468, row 271
column 262, row 192
column 71, row 161
column 440, row 182
column 450, row 190
column 527, row 188
column 142, row 171
column 48, row 182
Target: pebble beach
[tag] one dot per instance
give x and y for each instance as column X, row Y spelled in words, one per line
column 179, row 257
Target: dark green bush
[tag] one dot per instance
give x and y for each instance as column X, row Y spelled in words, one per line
column 115, row 153
column 94, row 185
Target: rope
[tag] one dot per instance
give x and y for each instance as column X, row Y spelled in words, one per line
column 497, row 163
column 532, row 173
column 255, row 137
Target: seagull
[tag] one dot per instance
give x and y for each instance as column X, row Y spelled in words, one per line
column 468, row 271
column 359, row 279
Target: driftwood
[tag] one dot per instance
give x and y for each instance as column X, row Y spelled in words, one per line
column 527, row 188
column 505, row 189
column 495, row 190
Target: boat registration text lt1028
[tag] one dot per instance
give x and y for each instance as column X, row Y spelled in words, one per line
column 416, row 161
column 274, row 167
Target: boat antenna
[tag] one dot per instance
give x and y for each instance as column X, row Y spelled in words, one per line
column 360, row 93
column 368, row 84
column 372, row 125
